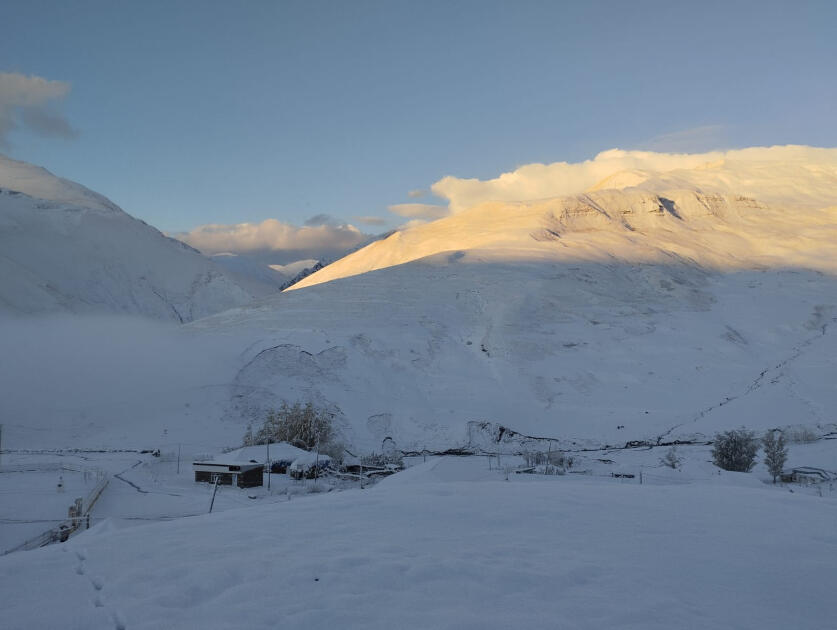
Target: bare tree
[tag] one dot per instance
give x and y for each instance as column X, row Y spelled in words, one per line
column 671, row 458
column 249, row 439
column 305, row 426
column 775, row 453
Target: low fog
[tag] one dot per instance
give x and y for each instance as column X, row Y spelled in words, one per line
column 116, row 381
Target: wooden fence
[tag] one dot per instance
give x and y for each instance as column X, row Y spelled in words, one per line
column 78, row 516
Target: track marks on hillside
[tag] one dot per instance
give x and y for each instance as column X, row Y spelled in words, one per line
column 770, row 375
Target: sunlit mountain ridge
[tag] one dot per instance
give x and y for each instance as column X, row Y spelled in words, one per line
column 747, row 209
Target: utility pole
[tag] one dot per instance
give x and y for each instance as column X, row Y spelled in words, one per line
column 214, row 490
column 1, row 442
column 268, row 464
column 178, row 458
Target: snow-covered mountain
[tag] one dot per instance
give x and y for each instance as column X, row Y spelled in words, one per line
column 638, row 313
column 66, row 248
column 600, row 317
column 259, row 279
column 729, row 214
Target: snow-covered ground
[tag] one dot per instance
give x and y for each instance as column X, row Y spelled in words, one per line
column 142, row 488
column 653, row 306
column 451, row 544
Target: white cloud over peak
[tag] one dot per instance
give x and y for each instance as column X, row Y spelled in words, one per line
column 25, row 103
column 782, row 173
column 419, row 211
column 272, row 236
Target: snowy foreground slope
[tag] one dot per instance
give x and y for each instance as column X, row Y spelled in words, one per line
column 66, row 248
column 448, row 544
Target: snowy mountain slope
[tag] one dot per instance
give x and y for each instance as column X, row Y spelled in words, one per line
column 40, row 183
column 741, row 209
column 259, row 279
column 716, row 231
column 73, row 250
column 608, row 316
column 595, row 319
column 589, row 353
column 262, row 280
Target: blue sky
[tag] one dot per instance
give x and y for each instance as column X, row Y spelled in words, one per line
column 188, row 113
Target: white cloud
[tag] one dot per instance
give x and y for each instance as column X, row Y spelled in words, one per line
column 767, row 173
column 273, row 236
column 25, row 103
column 419, row 211
column 415, row 194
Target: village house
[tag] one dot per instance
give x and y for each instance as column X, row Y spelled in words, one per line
column 244, row 467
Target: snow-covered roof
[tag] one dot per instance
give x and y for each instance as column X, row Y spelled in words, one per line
column 281, row 451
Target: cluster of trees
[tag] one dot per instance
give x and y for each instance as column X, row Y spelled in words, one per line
column 311, row 427
column 736, row 451
column 306, row 426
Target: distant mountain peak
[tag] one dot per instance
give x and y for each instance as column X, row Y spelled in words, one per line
column 67, row 248
column 39, row 183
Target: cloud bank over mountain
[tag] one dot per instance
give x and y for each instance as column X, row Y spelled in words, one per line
column 767, row 173
column 280, row 242
column 426, row 211
column 750, row 208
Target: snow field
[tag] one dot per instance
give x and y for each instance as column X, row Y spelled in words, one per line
column 436, row 553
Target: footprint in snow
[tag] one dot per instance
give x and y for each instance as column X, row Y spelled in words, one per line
column 118, row 621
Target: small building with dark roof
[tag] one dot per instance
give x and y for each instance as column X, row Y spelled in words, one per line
column 229, row 473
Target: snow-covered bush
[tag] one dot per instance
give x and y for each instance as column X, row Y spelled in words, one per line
column 735, row 450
